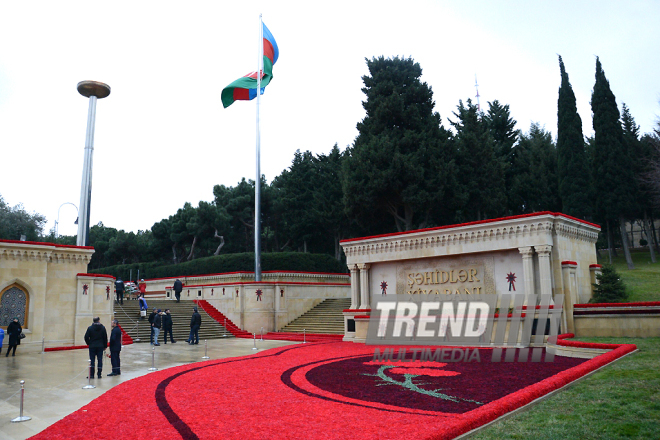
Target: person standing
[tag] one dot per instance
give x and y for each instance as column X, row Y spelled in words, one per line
column 167, row 326
column 2, row 337
column 115, row 348
column 152, row 315
column 96, row 339
column 178, row 287
column 14, row 331
column 158, row 323
column 119, row 288
column 195, row 324
column 142, row 287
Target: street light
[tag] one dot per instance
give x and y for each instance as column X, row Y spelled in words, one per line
column 57, row 222
column 93, row 90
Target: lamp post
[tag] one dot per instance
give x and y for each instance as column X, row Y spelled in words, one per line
column 93, row 90
column 57, row 222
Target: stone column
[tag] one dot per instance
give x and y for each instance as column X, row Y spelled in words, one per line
column 545, row 271
column 568, row 274
column 365, row 293
column 527, row 253
column 355, row 287
column 594, row 269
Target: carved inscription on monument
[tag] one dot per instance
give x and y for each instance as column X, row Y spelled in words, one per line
column 449, row 281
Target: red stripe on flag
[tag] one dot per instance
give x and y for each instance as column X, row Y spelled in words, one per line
column 269, row 52
column 242, row 94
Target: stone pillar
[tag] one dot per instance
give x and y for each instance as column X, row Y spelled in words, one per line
column 527, row 253
column 545, row 273
column 594, row 269
column 355, row 287
column 365, row 293
column 568, row 275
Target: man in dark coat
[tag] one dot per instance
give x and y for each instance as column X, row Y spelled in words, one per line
column 14, row 331
column 167, row 326
column 115, row 348
column 178, row 287
column 195, row 324
column 96, row 338
column 158, row 323
column 152, row 315
column 119, row 287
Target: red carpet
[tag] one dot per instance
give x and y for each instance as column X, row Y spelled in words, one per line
column 330, row 390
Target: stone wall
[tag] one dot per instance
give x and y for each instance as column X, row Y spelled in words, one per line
column 540, row 253
column 277, row 300
column 53, row 277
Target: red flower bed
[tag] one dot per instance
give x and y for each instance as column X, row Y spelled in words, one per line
column 318, row 390
column 633, row 304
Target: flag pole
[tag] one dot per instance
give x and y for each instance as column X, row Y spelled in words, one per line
column 257, row 182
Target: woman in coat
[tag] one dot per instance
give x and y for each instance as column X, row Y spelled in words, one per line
column 14, row 331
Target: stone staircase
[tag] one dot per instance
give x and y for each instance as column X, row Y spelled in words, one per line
column 181, row 314
column 325, row 318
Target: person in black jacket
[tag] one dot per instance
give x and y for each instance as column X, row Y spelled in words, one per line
column 195, row 324
column 167, row 326
column 14, row 331
column 115, row 348
column 158, row 323
column 119, row 288
column 152, row 316
column 97, row 339
column 178, row 287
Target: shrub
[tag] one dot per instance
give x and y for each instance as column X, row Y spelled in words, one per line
column 609, row 288
column 243, row 262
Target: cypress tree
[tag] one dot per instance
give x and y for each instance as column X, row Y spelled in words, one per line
column 614, row 180
column 572, row 164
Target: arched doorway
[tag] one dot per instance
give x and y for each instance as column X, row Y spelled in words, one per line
column 14, row 302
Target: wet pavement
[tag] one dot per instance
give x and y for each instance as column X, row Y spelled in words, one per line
column 54, row 380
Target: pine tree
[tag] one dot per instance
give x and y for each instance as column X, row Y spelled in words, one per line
column 481, row 173
column 572, row 165
column 501, row 127
column 399, row 165
column 609, row 288
column 614, row 180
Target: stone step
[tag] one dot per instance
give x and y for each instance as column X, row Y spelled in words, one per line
column 326, row 317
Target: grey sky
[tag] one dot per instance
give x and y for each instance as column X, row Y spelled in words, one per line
column 163, row 138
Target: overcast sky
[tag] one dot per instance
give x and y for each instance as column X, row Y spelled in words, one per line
column 162, row 137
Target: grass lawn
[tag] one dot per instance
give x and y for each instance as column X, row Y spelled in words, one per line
column 620, row 401
column 643, row 282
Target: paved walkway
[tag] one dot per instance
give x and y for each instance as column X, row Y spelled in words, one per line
column 54, row 380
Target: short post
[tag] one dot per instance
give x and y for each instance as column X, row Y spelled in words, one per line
column 304, row 337
column 43, row 344
column 254, row 337
column 224, row 332
column 206, row 356
column 262, row 334
column 21, row 418
column 153, row 359
column 90, row 373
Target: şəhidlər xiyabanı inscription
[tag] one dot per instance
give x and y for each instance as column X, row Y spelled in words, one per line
column 468, row 280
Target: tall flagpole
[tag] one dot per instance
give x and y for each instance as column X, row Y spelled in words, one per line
column 257, row 182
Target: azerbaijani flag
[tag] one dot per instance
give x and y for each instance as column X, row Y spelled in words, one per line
column 245, row 88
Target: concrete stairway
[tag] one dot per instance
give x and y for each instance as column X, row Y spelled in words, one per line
column 181, row 314
column 325, row 318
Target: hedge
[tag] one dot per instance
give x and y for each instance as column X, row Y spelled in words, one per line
column 285, row 261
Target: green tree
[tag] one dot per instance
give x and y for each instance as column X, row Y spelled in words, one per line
column 640, row 153
column 501, row 127
column 534, row 185
column 399, row 165
column 572, row 163
column 615, row 184
column 608, row 287
column 481, row 173
column 16, row 221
